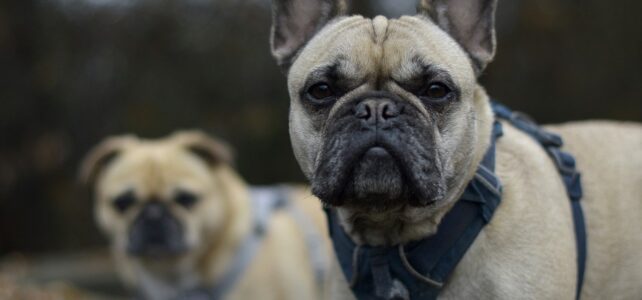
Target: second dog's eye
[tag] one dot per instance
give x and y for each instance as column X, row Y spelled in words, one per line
column 185, row 199
column 321, row 91
column 124, row 201
column 435, row 91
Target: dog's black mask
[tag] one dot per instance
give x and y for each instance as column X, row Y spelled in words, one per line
column 379, row 153
column 155, row 233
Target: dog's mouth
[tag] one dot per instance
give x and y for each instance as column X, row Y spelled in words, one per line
column 379, row 172
column 376, row 180
column 155, row 245
column 155, row 233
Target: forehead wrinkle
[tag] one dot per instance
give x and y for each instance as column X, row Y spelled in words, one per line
column 335, row 30
column 324, row 40
column 380, row 34
column 446, row 54
column 379, row 29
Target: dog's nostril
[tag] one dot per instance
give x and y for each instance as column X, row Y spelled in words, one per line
column 389, row 110
column 363, row 111
column 377, row 109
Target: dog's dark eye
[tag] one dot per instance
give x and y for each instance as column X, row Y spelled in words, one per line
column 321, row 91
column 124, row 201
column 436, row 91
column 185, row 199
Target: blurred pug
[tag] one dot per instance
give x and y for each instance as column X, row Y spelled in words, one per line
column 182, row 224
column 389, row 123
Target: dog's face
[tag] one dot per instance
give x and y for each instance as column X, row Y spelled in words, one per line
column 158, row 199
column 385, row 113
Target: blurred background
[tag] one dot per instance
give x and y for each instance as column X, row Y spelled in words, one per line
column 75, row 71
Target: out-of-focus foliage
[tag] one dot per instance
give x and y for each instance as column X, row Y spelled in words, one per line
column 75, row 71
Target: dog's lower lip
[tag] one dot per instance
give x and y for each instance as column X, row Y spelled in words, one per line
column 377, row 151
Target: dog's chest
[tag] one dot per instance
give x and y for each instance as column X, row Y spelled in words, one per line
column 157, row 287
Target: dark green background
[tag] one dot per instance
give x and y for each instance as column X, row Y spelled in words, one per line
column 72, row 73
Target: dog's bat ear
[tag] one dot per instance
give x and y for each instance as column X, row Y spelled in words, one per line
column 294, row 23
column 101, row 156
column 470, row 22
column 211, row 150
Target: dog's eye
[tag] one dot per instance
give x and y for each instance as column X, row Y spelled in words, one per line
column 435, row 91
column 124, row 201
column 185, row 199
column 321, row 91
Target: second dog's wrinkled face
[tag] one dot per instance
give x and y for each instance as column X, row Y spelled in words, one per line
column 157, row 199
column 383, row 112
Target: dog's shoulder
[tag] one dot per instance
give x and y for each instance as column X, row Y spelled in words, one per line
column 520, row 155
column 601, row 139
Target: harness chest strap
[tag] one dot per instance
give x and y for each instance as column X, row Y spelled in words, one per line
column 417, row 270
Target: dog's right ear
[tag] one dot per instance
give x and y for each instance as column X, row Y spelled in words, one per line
column 101, row 156
column 470, row 22
column 207, row 148
column 294, row 23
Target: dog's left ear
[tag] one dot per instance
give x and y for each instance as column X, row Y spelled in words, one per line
column 211, row 150
column 294, row 23
column 470, row 22
column 102, row 156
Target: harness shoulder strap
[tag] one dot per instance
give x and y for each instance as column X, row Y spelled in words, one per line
column 565, row 164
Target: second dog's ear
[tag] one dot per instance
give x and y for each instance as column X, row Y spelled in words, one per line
column 101, row 156
column 294, row 22
column 470, row 22
column 212, row 151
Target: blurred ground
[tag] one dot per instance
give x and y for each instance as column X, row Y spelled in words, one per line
column 87, row 275
column 75, row 71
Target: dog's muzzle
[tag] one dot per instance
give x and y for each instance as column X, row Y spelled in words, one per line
column 379, row 149
column 155, row 232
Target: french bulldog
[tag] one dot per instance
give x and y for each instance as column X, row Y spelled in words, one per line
column 177, row 216
column 389, row 124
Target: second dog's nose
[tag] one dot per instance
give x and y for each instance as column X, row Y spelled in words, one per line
column 376, row 110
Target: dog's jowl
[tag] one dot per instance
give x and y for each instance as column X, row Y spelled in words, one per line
column 434, row 190
column 183, row 225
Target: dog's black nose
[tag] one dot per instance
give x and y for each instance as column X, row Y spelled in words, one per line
column 374, row 111
column 154, row 211
column 155, row 231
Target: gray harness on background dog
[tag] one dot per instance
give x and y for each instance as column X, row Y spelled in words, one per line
column 419, row 269
column 265, row 202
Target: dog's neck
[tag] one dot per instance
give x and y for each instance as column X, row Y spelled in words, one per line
column 165, row 279
column 215, row 259
column 406, row 223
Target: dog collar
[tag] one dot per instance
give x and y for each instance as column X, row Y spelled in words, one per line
column 419, row 269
